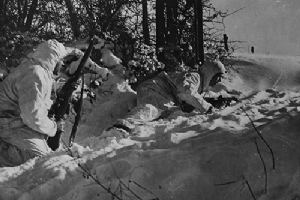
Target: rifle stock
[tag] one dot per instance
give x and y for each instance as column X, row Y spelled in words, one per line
column 59, row 108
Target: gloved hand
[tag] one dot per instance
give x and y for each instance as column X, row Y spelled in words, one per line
column 185, row 107
column 60, row 126
column 76, row 84
column 210, row 110
column 54, row 141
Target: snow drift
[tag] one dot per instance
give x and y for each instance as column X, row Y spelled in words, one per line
column 187, row 155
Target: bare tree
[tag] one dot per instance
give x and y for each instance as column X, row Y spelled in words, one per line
column 198, row 23
column 32, row 11
column 22, row 12
column 160, row 23
column 146, row 32
column 73, row 18
column 89, row 9
column 3, row 7
column 172, row 14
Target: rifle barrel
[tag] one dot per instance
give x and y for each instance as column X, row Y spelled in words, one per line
column 60, row 106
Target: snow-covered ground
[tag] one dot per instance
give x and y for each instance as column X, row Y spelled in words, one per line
column 187, row 155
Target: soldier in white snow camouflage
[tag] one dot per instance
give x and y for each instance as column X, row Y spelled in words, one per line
column 25, row 101
column 158, row 96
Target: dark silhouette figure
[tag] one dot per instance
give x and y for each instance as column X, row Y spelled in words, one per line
column 252, row 49
column 226, row 42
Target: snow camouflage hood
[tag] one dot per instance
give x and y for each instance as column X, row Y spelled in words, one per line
column 51, row 52
column 48, row 54
column 207, row 71
column 25, row 95
column 189, row 86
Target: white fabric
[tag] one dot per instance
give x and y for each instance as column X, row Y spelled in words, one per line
column 26, row 91
column 109, row 59
column 48, row 53
column 90, row 65
column 187, row 90
column 196, row 100
column 33, row 91
column 24, row 103
column 207, row 71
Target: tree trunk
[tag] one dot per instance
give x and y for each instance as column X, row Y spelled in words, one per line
column 73, row 18
column 1, row 7
column 90, row 13
column 198, row 23
column 19, row 6
column 25, row 11
column 22, row 6
column 160, row 23
column 172, row 14
column 30, row 14
column 112, row 14
column 2, row 12
column 146, row 32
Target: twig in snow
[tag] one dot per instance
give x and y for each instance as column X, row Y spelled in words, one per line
column 244, row 180
column 264, row 165
column 261, row 137
column 121, row 190
column 249, row 188
column 233, row 12
column 130, row 190
column 98, row 182
column 144, row 188
column 227, row 183
column 89, row 174
column 124, row 185
column 134, row 182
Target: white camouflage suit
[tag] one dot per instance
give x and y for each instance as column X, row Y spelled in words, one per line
column 154, row 95
column 24, row 104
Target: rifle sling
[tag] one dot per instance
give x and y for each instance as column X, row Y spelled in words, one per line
column 59, row 108
column 78, row 115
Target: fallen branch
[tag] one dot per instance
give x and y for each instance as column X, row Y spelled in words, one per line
column 233, row 12
column 144, row 188
column 249, row 187
column 130, row 190
column 261, row 137
column 134, row 182
column 264, row 165
column 243, row 180
column 227, row 183
column 89, row 174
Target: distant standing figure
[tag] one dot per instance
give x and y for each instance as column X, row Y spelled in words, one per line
column 252, row 49
column 226, row 42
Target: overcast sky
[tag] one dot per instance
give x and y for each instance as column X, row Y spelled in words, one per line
column 271, row 26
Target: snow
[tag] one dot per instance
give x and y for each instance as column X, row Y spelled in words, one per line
column 187, row 155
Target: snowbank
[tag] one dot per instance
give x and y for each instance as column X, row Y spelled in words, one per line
column 186, row 156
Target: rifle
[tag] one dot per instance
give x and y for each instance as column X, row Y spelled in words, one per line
column 220, row 101
column 60, row 107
